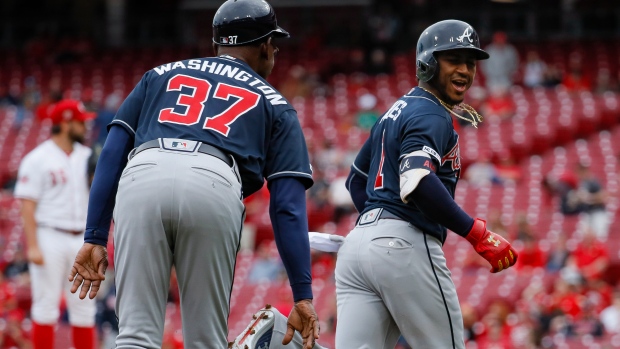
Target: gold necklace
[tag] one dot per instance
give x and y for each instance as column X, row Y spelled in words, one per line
column 474, row 119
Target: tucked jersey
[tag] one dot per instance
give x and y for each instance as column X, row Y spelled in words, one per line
column 58, row 182
column 416, row 122
column 223, row 102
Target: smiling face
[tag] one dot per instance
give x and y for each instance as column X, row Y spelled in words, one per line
column 455, row 74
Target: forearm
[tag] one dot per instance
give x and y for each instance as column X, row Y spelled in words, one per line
column 30, row 223
column 112, row 161
column 356, row 185
column 433, row 199
column 287, row 210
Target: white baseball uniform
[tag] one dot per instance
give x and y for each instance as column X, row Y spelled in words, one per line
column 58, row 182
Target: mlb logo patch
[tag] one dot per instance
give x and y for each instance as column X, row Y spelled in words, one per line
column 179, row 145
column 370, row 216
column 224, row 40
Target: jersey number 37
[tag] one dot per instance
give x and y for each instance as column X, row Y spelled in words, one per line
column 194, row 103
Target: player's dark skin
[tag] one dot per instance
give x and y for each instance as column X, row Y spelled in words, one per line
column 261, row 57
column 456, row 70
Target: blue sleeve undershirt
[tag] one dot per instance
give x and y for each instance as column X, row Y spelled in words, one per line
column 356, row 185
column 111, row 163
column 433, row 199
column 287, row 210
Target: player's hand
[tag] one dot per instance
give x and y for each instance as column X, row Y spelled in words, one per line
column 492, row 247
column 89, row 269
column 35, row 255
column 304, row 320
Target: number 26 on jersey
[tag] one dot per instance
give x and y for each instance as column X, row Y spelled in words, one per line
column 243, row 101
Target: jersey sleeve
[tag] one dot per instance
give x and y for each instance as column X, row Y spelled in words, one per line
column 287, row 155
column 361, row 164
column 427, row 133
column 129, row 112
column 30, row 180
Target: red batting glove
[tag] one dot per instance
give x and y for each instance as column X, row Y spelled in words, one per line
column 492, row 247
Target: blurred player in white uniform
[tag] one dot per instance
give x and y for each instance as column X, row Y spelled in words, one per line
column 53, row 188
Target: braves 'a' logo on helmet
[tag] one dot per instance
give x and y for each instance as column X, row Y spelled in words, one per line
column 466, row 34
column 454, row 155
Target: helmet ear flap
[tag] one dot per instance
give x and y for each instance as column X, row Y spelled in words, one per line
column 426, row 70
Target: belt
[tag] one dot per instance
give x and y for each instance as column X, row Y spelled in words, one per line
column 204, row 148
column 72, row 232
column 385, row 214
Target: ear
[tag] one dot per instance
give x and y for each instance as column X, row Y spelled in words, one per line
column 264, row 49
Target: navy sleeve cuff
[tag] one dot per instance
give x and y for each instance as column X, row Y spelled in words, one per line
column 93, row 236
column 302, row 291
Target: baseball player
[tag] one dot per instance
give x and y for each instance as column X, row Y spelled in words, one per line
column 53, row 188
column 391, row 274
column 205, row 133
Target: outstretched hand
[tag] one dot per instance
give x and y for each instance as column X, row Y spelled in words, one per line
column 304, row 320
column 89, row 269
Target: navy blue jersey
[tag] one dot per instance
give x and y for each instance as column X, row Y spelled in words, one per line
column 223, row 102
column 416, row 122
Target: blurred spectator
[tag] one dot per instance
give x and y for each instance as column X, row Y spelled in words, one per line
column 531, row 255
column 17, row 268
column 499, row 70
column 592, row 199
column 107, row 322
column 495, row 336
column 575, row 80
column 105, row 115
column 552, row 76
column 523, row 229
column 8, row 96
column 266, row 266
column 564, row 187
column 495, row 224
column 507, row 169
column 610, row 316
column 470, row 318
column 340, row 199
column 591, row 256
column 379, row 62
column 588, row 323
column 295, row 84
column 383, row 26
column 12, row 334
column 499, row 105
column 367, row 114
column 482, row 172
column 558, row 254
column 534, row 70
column 604, row 82
column 8, row 300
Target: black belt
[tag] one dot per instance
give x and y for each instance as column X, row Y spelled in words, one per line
column 72, row 232
column 204, row 148
column 385, row 214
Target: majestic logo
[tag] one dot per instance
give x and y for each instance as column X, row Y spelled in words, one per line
column 493, row 241
column 453, row 156
column 466, row 34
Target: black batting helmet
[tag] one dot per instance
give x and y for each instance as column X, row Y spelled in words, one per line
column 239, row 22
column 444, row 36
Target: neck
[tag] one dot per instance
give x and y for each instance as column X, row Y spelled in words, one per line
column 63, row 142
column 240, row 53
column 435, row 92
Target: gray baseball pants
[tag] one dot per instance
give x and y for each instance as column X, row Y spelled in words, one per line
column 181, row 209
column 392, row 279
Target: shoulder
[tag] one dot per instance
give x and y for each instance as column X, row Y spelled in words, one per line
column 38, row 156
column 82, row 149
